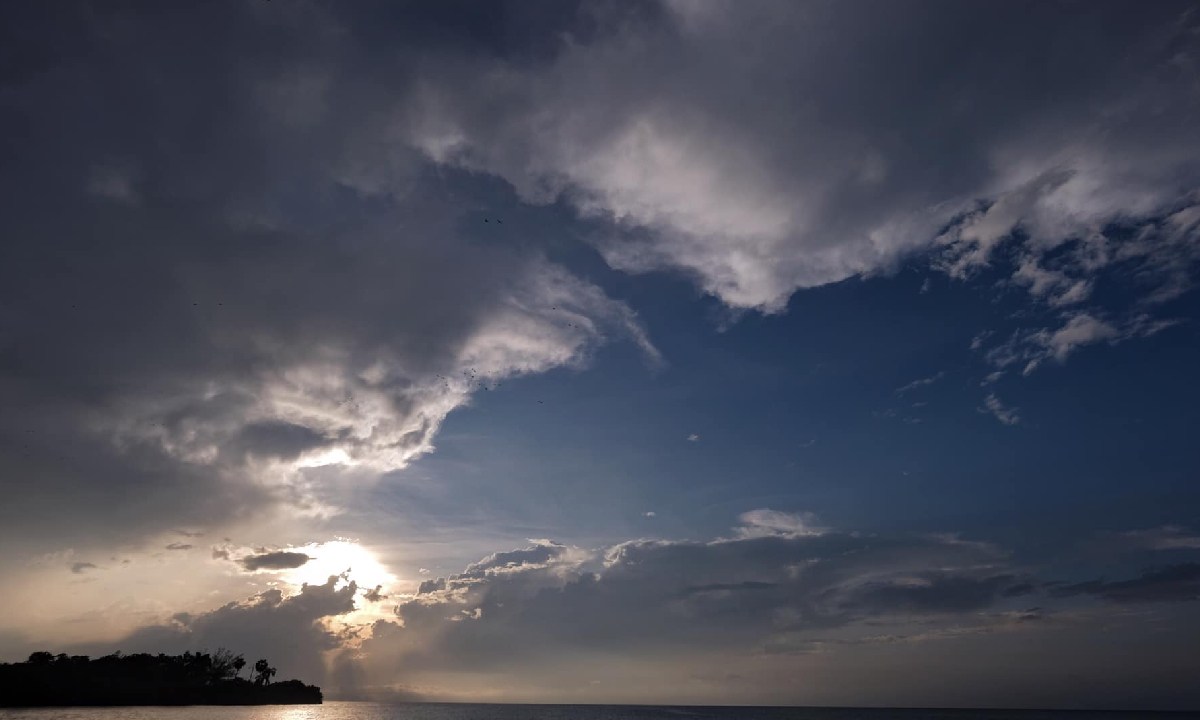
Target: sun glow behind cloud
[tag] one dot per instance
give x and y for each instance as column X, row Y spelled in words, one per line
column 355, row 563
column 335, row 558
column 335, row 456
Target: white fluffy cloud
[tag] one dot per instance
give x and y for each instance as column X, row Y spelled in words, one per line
column 805, row 162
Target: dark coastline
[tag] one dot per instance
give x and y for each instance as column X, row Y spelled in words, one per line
column 192, row 679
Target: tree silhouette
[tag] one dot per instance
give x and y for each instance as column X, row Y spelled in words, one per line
column 192, row 678
column 41, row 658
column 223, row 665
column 265, row 672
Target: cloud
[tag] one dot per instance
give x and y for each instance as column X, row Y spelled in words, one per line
column 991, row 378
column 1173, row 583
column 289, row 630
column 273, row 439
column 1054, row 286
column 1152, row 258
column 115, row 183
column 296, row 289
column 280, row 560
column 765, row 522
column 803, row 178
column 773, row 589
column 1079, row 330
column 323, row 202
column 1003, row 413
column 179, row 546
column 81, row 567
column 735, row 595
column 649, row 514
column 1167, row 537
column 1030, row 349
column 693, row 438
column 542, row 555
column 822, row 175
column 919, row 383
column 931, row 592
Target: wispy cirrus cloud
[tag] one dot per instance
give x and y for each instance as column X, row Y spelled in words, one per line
column 1167, row 537
column 920, row 383
column 1027, row 350
column 996, row 407
column 1173, row 583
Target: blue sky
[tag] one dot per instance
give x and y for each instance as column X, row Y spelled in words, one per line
column 659, row 351
column 805, row 411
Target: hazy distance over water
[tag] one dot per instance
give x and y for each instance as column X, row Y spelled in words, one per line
column 450, row 711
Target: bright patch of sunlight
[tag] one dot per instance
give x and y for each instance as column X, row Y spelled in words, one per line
column 336, row 557
column 333, row 456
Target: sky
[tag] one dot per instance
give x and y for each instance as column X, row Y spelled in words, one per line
column 662, row 351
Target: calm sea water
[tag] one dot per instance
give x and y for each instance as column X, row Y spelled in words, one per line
column 434, row 711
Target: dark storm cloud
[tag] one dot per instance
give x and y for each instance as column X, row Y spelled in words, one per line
column 222, row 256
column 1173, row 583
column 752, row 597
column 1019, row 590
column 281, row 560
column 285, row 630
column 728, row 587
column 641, row 595
column 930, row 592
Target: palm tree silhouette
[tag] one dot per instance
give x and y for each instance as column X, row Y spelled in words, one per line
column 265, row 672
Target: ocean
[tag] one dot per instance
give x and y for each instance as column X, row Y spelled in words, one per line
column 442, row 711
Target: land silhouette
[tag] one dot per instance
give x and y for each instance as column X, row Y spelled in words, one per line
column 199, row 678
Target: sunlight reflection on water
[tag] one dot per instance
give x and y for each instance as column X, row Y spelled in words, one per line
column 374, row 711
